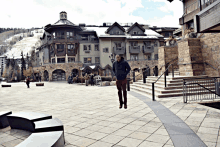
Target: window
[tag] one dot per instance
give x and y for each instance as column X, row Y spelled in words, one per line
column 97, row 60
column 60, row 60
column 88, row 60
column 135, row 32
column 156, row 43
column 167, row 34
column 117, row 32
column 134, row 57
column 148, row 43
column 135, row 43
column 60, row 35
column 53, row 60
column 118, row 44
column 70, row 47
column 96, row 47
column 60, row 47
column 107, row 72
column 156, row 57
column 71, row 59
column 85, row 47
column 69, row 35
column 105, row 50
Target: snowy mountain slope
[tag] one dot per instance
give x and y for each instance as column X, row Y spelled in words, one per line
column 25, row 44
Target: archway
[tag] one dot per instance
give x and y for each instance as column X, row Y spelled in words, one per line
column 46, row 76
column 58, row 75
column 136, row 70
column 75, row 72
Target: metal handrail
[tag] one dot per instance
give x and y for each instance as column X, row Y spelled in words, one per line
column 153, row 96
column 143, row 71
column 168, row 63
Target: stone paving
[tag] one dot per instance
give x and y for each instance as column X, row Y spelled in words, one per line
column 91, row 116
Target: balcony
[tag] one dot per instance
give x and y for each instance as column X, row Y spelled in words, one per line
column 208, row 20
column 134, row 49
column 61, row 40
column 148, row 49
column 118, row 50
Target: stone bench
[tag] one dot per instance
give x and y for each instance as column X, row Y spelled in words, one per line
column 3, row 119
column 25, row 120
column 44, row 139
column 48, row 125
column 39, row 84
column 6, row 85
column 45, row 130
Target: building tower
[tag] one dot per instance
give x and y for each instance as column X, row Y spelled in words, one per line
column 63, row 15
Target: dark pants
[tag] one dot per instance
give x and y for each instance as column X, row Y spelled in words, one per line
column 28, row 85
column 92, row 82
column 121, row 85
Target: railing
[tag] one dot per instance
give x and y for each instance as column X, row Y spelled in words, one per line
column 144, row 74
column 119, row 50
column 148, row 49
column 192, row 7
column 201, row 89
column 134, row 49
column 217, row 69
column 165, row 73
column 140, row 59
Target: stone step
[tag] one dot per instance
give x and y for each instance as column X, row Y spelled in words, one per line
column 159, row 95
column 162, row 90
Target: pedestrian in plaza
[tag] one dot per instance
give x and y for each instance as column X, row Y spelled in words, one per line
column 121, row 68
column 28, row 82
column 92, row 80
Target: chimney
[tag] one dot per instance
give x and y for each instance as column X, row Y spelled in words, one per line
column 63, row 15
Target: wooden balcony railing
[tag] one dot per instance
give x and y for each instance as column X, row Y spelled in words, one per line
column 134, row 49
column 120, row 50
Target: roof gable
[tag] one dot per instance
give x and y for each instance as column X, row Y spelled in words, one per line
column 115, row 24
column 136, row 24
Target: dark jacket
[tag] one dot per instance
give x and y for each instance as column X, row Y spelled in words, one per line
column 121, row 69
column 92, row 77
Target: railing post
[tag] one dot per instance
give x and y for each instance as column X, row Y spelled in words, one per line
column 165, row 80
column 144, row 77
column 128, row 84
column 172, row 71
column 153, row 96
column 133, row 76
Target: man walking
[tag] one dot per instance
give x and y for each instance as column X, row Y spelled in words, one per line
column 121, row 68
column 28, row 82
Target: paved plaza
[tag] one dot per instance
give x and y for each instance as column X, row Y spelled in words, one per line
column 91, row 117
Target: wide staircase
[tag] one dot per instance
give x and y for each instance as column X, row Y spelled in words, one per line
column 174, row 86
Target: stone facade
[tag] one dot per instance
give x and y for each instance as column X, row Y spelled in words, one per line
column 190, row 57
column 210, row 46
column 167, row 54
column 67, row 67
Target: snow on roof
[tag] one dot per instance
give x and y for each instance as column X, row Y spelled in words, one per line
column 92, row 66
column 99, row 30
column 64, row 22
column 150, row 32
column 107, row 35
column 134, row 37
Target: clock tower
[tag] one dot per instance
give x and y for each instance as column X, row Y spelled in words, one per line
column 63, row 15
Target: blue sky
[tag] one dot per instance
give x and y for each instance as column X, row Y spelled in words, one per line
column 38, row 13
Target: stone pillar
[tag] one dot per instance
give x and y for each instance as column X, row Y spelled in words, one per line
column 190, row 57
column 66, row 58
column 167, row 54
column 50, row 76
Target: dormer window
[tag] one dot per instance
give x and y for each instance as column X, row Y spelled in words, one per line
column 135, row 32
column 117, row 32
